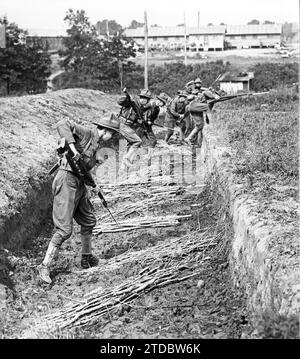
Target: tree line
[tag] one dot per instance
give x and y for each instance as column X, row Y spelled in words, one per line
column 24, row 67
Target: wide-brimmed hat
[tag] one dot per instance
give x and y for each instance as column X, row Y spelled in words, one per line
column 190, row 83
column 198, row 81
column 146, row 94
column 112, row 122
column 163, row 97
column 182, row 94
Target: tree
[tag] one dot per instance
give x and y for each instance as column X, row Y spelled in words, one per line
column 135, row 24
column 267, row 22
column 24, row 66
column 100, row 61
column 82, row 37
column 210, row 24
column 110, row 26
column 253, row 22
column 222, row 24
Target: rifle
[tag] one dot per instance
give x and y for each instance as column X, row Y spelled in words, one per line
column 230, row 97
column 79, row 168
column 165, row 127
column 137, row 110
column 215, row 80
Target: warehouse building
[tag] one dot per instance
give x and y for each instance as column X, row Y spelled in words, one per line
column 253, row 36
column 209, row 38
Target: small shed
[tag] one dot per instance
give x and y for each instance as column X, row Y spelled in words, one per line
column 234, row 83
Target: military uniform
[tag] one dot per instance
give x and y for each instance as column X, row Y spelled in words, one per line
column 70, row 193
column 150, row 115
column 175, row 109
column 129, row 125
column 198, row 118
column 71, row 198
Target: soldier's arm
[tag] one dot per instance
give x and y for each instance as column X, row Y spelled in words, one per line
column 124, row 102
column 69, row 130
column 152, row 113
column 172, row 109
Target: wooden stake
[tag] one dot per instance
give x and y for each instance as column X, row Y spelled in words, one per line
column 185, row 47
column 146, row 52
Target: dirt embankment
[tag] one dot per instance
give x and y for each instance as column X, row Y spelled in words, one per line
column 27, row 145
column 264, row 247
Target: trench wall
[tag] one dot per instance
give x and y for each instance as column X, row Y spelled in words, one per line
column 262, row 260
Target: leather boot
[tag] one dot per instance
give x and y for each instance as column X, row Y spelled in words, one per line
column 191, row 135
column 88, row 261
column 44, row 274
column 43, row 269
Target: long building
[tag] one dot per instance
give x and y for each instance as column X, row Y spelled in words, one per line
column 209, row 38
column 49, row 38
column 201, row 39
column 253, row 36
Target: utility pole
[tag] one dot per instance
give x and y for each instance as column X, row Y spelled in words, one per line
column 185, row 50
column 198, row 20
column 2, row 37
column 146, row 51
column 107, row 31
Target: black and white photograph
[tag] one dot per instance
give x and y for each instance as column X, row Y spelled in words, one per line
column 149, row 168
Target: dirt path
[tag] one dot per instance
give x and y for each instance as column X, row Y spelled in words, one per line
column 205, row 306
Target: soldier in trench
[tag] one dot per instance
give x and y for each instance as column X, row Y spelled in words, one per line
column 71, row 198
column 151, row 114
column 130, row 123
column 175, row 114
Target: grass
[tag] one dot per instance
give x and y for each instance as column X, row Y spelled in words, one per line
column 263, row 132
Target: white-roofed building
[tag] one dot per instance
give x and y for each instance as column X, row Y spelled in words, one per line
column 253, row 36
column 202, row 38
column 232, row 83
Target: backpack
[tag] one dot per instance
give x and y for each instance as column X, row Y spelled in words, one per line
column 196, row 107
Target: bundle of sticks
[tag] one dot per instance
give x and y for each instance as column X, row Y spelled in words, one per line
column 165, row 264
column 114, row 193
column 166, row 253
column 139, row 223
column 140, row 208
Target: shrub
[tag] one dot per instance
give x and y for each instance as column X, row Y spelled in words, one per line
column 273, row 75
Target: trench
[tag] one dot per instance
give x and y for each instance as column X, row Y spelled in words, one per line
column 204, row 306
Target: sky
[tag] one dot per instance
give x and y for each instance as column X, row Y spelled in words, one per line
column 49, row 14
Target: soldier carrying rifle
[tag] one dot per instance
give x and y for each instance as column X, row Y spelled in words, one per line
column 150, row 116
column 175, row 114
column 131, row 119
column 71, row 198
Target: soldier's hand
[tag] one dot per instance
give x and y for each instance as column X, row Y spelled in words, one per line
column 76, row 156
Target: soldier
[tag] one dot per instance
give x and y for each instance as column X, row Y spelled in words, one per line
column 198, row 85
column 164, row 99
column 151, row 114
column 130, row 122
column 175, row 114
column 71, row 198
column 199, row 110
column 189, row 87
